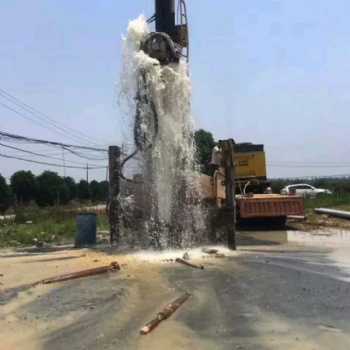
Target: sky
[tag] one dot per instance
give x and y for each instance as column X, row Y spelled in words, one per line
column 275, row 72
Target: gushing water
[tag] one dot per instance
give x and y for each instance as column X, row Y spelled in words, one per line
column 166, row 196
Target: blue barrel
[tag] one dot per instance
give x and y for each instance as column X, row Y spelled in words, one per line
column 86, row 226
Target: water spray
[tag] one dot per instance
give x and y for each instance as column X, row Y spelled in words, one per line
column 156, row 84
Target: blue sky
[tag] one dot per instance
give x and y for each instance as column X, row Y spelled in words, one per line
column 267, row 71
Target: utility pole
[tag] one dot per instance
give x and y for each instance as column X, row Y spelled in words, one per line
column 227, row 161
column 87, row 173
column 114, row 166
column 64, row 163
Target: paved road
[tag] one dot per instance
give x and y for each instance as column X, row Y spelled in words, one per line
column 266, row 296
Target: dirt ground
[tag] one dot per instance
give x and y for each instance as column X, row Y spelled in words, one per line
column 315, row 221
column 279, row 290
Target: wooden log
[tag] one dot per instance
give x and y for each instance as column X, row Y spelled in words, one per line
column 163, row 315
column 182, row 261
column 114, row 266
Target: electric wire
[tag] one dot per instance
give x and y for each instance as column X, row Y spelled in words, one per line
column 42, row 155
column 46, row 118
column 37, row 123
column 51, row 164
column 54, row 143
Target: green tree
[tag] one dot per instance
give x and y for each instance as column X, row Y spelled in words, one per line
column 84, row 191
column 95, row 190
column 23, row 185
column 104, row 189
column 72, row 186
column 51, row 190
column 5, row 195
column 204, row 144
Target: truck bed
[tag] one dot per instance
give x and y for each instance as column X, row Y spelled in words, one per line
column 260, row 205
column 269, row 205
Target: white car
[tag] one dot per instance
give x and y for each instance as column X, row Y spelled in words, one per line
column 305, row 190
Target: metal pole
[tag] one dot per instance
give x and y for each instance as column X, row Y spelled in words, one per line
column 227, row 160
column 337, row 213
column 165, row 17
column 64, row 162
column 231, row 209
column 87, row 172
column 114, row 165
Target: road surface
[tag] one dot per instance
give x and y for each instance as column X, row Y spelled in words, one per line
column 280, row 290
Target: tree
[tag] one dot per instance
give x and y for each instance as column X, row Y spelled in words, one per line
column 104, row 189
column 51, row 190
column 23, row 185
column 72, row 186
column 204, row 144
column 5, row 195
column 84, row 191
column 95, row 190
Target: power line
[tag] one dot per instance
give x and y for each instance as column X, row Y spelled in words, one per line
column 46, row 118
column 306, row 166
column 83, row 156
column 53, row 143
column 37, row 123
column 51, row 164
column 306, row 163
column 44, row 156
column 310, row 177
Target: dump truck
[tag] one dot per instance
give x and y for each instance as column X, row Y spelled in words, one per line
column 253, row 196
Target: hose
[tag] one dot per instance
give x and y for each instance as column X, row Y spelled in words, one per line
column 245, row 187
column 141, row 139
column 175, row 48
column 140, row 136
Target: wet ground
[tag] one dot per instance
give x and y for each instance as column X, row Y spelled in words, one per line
column 280, row 290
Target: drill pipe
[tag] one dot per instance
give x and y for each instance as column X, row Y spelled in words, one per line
column 114, row 266
column 166, row 313
column 182, row 261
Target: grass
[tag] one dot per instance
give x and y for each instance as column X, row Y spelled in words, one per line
column 51, row 225
column 328, row 201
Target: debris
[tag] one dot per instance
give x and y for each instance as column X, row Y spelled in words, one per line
column 166, row 313
column 220, row 256
column 114, row 266
column 209, row 250
column 96, row 260
column 207, row 257
column 39, row 244
column 186, row 256
column 182, row 261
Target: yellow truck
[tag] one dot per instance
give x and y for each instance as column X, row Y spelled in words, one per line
column 254, row 198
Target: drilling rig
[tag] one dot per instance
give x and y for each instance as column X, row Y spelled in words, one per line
column 167, row 45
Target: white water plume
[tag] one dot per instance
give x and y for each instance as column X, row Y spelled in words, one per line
column 168, row 195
